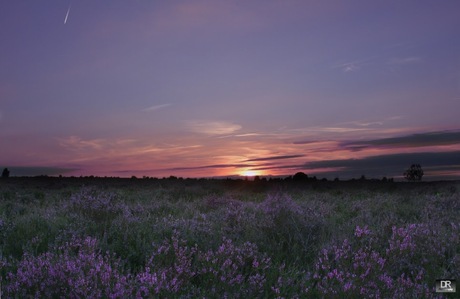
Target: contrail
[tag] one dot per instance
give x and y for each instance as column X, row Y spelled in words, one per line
column 67, row 15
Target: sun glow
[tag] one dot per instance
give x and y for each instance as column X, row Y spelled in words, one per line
column 250, row 173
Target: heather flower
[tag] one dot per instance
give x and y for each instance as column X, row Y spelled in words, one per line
column 359, row 232
column 79, row 270
column 358, row 263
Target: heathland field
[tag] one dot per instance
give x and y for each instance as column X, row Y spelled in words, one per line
column 174, row 238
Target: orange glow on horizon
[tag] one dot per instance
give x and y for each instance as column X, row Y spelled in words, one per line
column 250, row 173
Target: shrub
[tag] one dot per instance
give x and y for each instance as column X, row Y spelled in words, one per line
column 414, row 173
column 5, row 173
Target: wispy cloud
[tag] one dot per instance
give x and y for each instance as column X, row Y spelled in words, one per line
column 307, row 135
column 391, row 164
column 367, row 124
column 212, row 127
column 353, row 66
column 348, row 67
column 211, row 166
column 405, row 60
column 77, row 143
column 414, row 140
column 155, row 107
column 274, row 158
column 242, row 135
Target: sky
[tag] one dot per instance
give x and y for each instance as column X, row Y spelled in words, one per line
column 206, row 88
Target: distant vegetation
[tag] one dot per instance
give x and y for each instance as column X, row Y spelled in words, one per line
column 180, row 238
column 5, row 173
column 414, row 173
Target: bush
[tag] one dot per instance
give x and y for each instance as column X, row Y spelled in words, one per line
column 414, row 173
column 5, row 173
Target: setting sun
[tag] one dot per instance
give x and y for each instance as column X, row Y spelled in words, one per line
column 250, row 173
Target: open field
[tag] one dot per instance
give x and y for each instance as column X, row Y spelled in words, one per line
column 173, row 238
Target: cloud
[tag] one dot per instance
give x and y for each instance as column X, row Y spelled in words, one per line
column 244, row 135
column 368, row 124
column 348, row 67
column 76, row 143
column 212, row 127
column 320, row 133
column 405, row 60
column 415, row 140
column 353, row 66
column 337, row 129
column 275, row 158
column 155, row 107
column 390, row 165
column 210, row 166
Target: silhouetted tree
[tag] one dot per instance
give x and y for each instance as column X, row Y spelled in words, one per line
column 414, row 173
column 300, row 176
column 5, row 173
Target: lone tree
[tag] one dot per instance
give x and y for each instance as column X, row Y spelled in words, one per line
column 414, row 173
column 300, row 176
column 5, row 173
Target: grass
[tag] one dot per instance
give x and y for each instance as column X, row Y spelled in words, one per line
column 144, row 238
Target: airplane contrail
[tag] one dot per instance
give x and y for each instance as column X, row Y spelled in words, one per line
column 67, row 15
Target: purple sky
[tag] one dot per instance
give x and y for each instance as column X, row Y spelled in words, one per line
column 217, row 88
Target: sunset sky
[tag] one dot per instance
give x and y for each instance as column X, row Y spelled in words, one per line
column 218, row 88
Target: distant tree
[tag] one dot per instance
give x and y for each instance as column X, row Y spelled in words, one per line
column 5, row 173
column 414, row 173
column 300, row 176
column 288, row 178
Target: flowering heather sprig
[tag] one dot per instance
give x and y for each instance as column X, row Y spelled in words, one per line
column 364, row 231
column 288, row 228
column 216, row 202
column 277, row 203
column 96, row 205
column 78, row 271
column 417, row 247
column 357, row 269
column 167, row 270
column 199, row 223
column 177, row 267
